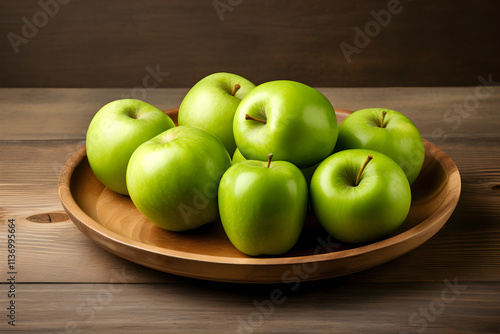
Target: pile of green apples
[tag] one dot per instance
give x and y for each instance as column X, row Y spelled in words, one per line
column 287, row 152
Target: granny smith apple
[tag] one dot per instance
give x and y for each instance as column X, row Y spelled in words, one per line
column 263, row 206
column 114, row 133
column 308, row 172
column 386, row 131
column 173, row 178
column 292, row 120
column 211, row 104
column 360, row 195
column 237, row 157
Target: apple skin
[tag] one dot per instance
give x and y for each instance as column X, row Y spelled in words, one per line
column 114, row 133
column 307, row 172
column 263, row 209
column 301, row 124
column 399, row 138
column 374, row 208
column 209, row 105
column 173, row 178
column 237, row 157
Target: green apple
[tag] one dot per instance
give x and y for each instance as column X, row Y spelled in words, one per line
column 360, row 195
column 173, row 178
column 308, row 172
column 237, row 157
column 211, row 104
column 114, row 133
column 386, row 131
column 292, row 120
column 263, row 206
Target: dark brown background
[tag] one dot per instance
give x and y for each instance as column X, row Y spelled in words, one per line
column 95, row 43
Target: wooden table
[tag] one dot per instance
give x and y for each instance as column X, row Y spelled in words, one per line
column 67, row 284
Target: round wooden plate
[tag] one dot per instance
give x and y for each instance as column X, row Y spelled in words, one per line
column 114, row 223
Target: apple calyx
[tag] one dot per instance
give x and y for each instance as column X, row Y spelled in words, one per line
column 247, row 117
column 358, row 178
column 382, row 120
column 235, row 89
column 269, row 158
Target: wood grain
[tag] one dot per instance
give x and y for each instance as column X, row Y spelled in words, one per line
column 95, row 44
column 205, row 307
column 438, row 112
column 467, row 245
column 52, row 256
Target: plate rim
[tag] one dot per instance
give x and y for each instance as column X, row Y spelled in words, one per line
column 437, row 220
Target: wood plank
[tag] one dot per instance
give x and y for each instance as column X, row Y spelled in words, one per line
column 467, row 246
column 88, row 44
column 49, row 114
column 25, row 111
column 316, row 307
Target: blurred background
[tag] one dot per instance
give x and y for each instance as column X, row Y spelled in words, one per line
column 117, row 43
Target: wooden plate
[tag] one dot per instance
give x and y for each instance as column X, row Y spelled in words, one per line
column 113, row 222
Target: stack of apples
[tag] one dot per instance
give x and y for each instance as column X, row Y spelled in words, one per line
column 287, row 151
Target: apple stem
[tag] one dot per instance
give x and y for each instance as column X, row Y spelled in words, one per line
column 235, row 89
column 247, row 117
column 358, row 178
column 269, row 158
column 383, row 117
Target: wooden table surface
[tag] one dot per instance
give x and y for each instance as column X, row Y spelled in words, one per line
column 67, row 284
